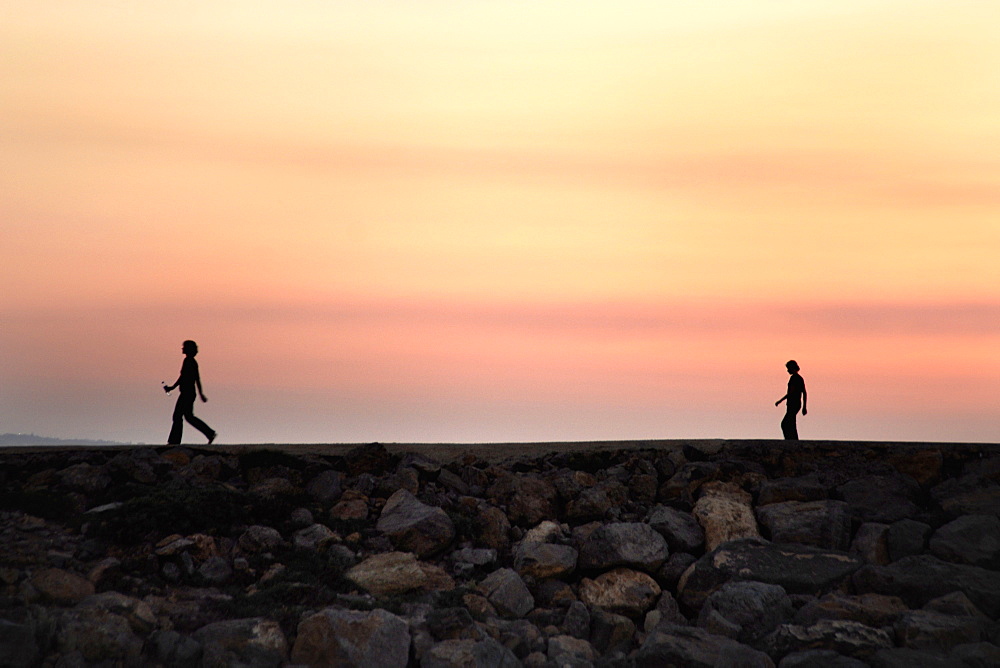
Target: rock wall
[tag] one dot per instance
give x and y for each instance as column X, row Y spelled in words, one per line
column 698, row 554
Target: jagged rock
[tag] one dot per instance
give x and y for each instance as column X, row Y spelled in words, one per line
column 820, row 658
column 823, row 523
column 376, row 639
column 971, row 539
column 453, row 624
column 749, row 609
column 545, row 560
column 797, row 568
column 595, row 502
column 906, row 538
column 904, row 657
column 567, row 650
column 370, row 458
column 610, row 632
column 804, row 488
column 313, row 536
column 576, row 623
column 667, row 611
column 725, row 513
column 137, row 613
column 672, row 645
column 61, row 586
column 493, row 529
column 968, row 495
column 469, row 654
column 845, row 637
column 924, row 466
column 98, row 635
column 254, row 642
column 216, row 570
column 918, row 579
column 955, row 603
column 630, row 544
column 173, row 650
column 396, row 573
column 681, row 531
column 414, row 526
column 929, row 630
column 475, row 557
column 271, row 488
column 326, row 487
column 884, row 499
column 506, row 591
column 622, row 590
column 869, row 609
column 85, row 477
column 977, row 655
column 529, row 499
column 259, row 538
column 683, row 485
column 670, row 573
column 519, row 636
column 871, row 543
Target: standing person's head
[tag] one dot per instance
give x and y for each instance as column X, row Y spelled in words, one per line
column 190, row 348
column 792, row 366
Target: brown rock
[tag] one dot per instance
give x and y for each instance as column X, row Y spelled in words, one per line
column 396, row 573
column 61, row 586
column 725, row 514
column 622, row 591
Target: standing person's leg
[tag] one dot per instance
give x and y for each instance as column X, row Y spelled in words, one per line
column 788, row 427
column 177, row 430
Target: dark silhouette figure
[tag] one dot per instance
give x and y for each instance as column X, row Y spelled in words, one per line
column 796, row 399
column 189, row 382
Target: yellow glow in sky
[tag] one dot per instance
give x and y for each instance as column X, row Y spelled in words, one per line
column 367, row 212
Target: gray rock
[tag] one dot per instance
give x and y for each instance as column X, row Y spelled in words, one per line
column 671, row 645
column 577, row 620
column 254, row 642
column 630, row 544
column 977, row 655
column 529, row 498
column 820, row 658
column 825, row 523
column 670, row 573
column 884, row 499
column 804, row 488
column 376, row 639
column 19, row 628
column 453, row 624
column 326, row 488
column 921, row 578
column 972, row 539
column 469, row 654
column 413, row 526
column 871, row 543
column 754, row 609
column 610, row 632
column 870, row 609
column 493, row 529
column 313, row 536
column 968, row 495
column 259, row 539
column 139, row 615
column 929, row 630
column 545, row 560
column 594, row 502
column 506, row 591
column 904, row 657
column 86, row 478
column 567, row 650
column 173, row 650
column 906, row 538
column 477, row 557
column 681, row 530
column 99, row 636
column 844, row 637
column 796, row 568
column 216, row 570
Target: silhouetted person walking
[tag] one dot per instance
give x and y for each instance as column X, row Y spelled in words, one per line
column 796, row 399
column 189, row 382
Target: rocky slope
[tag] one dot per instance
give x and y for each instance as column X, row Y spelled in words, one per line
column 699, row 554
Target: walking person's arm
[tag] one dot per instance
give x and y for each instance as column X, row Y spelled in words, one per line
column 778, row 402
column 805, row 397
column 197, row 382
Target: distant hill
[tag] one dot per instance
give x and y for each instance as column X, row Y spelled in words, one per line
column 32, row 439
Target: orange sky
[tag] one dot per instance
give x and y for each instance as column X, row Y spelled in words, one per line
column 493, row 221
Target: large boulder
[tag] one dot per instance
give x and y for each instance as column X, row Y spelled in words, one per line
column 622, row 590
column 870, row 609
column 332, row 637
column 99, row 636
column 797, row 568
column 672, row 645
column 745, row 611
column 390, row 573
column 803, row 488
column 919, row 579
column 413, row 526
column 971, row 539
column 968, row 495
column 254, row 643
column 881, row 498
column 725, row 513
column 629, row 544
column 930, row 630
column 825, row 523
column 681, row 531
column 849, row 638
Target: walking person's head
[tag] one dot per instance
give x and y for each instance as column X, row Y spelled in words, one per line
column 190, row 348
column 792, row 366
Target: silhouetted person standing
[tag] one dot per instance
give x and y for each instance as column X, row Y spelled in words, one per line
column 189, row 382
column 796, row 399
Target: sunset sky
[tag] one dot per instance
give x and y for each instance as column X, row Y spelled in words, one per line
column 430, row 221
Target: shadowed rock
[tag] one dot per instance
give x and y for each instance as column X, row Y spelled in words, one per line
column 376, row 639
column 629, row 544
column 672, row 645
column 414, row 526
